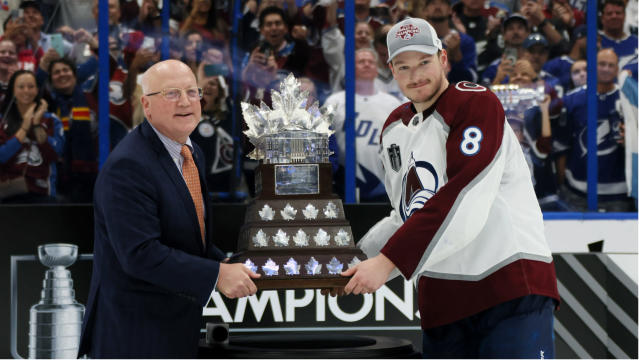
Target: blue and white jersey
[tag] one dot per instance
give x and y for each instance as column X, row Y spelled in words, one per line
column 489, row 74
column 624, row 48
column 611, row 177
column 543, row 172
column 552, row 82
column 560, row 68
column 372, row 112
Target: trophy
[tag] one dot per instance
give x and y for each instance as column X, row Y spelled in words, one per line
column 55, row 323
column 295, row 233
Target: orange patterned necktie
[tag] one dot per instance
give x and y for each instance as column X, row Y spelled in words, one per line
column 192, row 179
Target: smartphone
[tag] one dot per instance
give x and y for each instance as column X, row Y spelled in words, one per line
column 17, row 15
column 216, row 69
column 511, row 54
column 57, row 43
column 265, row 48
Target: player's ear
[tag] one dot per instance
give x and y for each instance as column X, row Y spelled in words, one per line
column 390, row 66
column 443, row 57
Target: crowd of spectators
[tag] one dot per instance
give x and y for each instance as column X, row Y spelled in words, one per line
column 49, row 136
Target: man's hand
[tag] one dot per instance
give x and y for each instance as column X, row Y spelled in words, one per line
column 533, row 12
column 142, row 58
column 47, row 58
column 234, row 281
column 369, row 275
column 452, row 42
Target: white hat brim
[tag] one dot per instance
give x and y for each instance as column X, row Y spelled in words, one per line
column 426, row 49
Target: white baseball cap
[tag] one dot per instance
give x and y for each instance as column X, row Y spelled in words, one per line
column 412, row 34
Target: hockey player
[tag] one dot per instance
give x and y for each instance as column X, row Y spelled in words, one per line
column 466, row 226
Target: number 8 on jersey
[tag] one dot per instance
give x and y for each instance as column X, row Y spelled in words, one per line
column 471, row 142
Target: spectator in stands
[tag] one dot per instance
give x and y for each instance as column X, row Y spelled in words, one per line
column 480, row 23
column 39, row 37
column 540, row 20
column 579, row 73
column 149, row 20
column 193, row 49
column 8, row 64
column 333, row 45
column 121, row 36
column 534, row 130
column 366, row 13
column 462, row 55
column 611, row 186
column 250, row 20
column 31, row 140
column 372, row 107
column 309, row 26
column 214, row 135
column 385, row 82
column 560, row 66
column 536, row 51
column 613, row 15
column 203, row 19
column 274, row 57
column 79, row 167
column 515, row 30
column 16, row 30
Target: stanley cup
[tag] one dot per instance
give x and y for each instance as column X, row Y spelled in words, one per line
column 55, row 323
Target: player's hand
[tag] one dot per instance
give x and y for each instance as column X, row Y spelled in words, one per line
column 369, row 275
column 544, row 105
column 336, row 291
column 235, row 281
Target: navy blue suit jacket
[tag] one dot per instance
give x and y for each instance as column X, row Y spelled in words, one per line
column 151, row 273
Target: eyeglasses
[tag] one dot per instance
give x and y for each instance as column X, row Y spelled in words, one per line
column 173, row 94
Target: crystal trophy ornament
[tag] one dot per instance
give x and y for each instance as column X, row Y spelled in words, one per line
column 55, row 323
column 295, row 233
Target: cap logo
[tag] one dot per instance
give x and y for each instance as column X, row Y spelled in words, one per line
column 406, row 32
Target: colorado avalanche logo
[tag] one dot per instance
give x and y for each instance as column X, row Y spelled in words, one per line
column 468, row 86
column 420, row 183
column 406, row 32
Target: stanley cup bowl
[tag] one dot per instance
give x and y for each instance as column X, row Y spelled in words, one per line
column 52, row 255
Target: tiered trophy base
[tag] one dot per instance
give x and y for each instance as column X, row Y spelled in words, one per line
column 325, row 277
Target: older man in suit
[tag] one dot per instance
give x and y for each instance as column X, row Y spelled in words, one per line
column 154, row 267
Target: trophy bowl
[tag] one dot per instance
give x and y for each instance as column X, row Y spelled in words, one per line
column 51, row 255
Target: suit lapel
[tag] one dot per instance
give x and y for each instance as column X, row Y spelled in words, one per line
column 174, row 174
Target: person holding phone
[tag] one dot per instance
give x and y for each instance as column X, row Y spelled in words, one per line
column 38, row 38
column 275, row 56
column 31, row 140
column 515, row 30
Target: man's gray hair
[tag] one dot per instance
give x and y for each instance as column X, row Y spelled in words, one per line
column 370, row 50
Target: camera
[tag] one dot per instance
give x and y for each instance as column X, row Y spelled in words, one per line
column 265, row 48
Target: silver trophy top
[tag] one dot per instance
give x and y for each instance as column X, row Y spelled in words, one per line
column 52, row 255
column 291, row 113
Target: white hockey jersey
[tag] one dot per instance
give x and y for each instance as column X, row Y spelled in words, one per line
column 372, row 112
column 466, row 224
